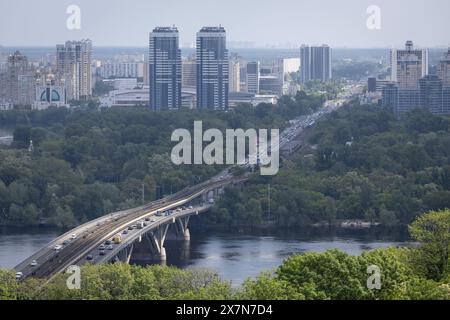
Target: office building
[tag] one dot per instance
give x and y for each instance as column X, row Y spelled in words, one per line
column 165, row 68
column 408, row 66
column 73, row 68
column 315, row 63
column 212, row 68
column 253, row 77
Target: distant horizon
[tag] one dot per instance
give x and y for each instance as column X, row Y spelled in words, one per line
column 229, row 47
column 261, row 24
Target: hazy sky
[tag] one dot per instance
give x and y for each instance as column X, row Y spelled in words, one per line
column 340, row 23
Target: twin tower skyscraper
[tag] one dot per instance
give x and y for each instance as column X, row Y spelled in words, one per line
column 165, row 68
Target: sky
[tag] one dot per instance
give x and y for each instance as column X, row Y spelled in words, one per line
column 283, row 23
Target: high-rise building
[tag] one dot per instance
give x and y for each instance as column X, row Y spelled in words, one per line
column 234, row 81
column 165, row 68
column 212, row 68
column 189, row 73
column 26, row 89
column 146, row 71
column 430, row 95
column 73, row 68
column 315, row 63
column 444, row 69
column 408, row 66
column 433, row 96
column 15, row 76
column 253, row 76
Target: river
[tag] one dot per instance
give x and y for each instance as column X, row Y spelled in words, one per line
column 235, row 256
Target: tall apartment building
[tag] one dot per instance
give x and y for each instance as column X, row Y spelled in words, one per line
column 212, row 68
column 234, row 79
column 315, row 63
column 73, row 68
column 444, row 69
column 189, row 73
column 408, row 66
column 146, row 71
column 165, row 68
column 253, row 75
column 26, row 89
column 15, row 77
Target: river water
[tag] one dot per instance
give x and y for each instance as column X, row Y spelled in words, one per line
column 235, row 256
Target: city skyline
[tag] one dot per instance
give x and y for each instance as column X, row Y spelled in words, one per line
column 293, row 23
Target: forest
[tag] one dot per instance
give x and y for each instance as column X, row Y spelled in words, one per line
column 361, row 164
column 87, row 162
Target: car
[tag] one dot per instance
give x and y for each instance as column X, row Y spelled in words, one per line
column 57, row 247
column 33, row 263
column 130, row 228
column 108, row 242
column 90, row 257
column 73, row 236
column 19, row 275
column 191, row 207
column 147, row 218
column 153, row 220
column 125, row 231
column 110, row 247
column 66, row 242
column 102, row 247
column 102, row 253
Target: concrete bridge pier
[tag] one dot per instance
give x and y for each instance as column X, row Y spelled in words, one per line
column 156, row 238
column 125, row 255
column 181, row 230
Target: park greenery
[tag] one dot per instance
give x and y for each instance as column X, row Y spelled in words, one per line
column 405, row 274
column 359, row 164
column 87, row 162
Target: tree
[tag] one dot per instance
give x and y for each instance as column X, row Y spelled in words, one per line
column 329, row 275
column 432, row 230
column 267, row 287
column 8, row 285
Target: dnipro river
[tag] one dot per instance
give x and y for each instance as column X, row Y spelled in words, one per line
column 235, row 256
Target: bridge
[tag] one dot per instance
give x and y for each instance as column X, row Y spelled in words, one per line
column 149, row 224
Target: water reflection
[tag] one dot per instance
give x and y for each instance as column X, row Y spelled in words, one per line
column 235, row 256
